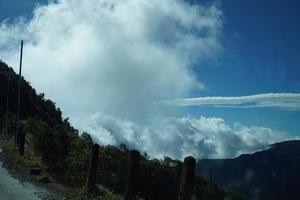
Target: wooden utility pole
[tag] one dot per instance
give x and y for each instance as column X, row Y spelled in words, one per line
column 19, row 98
column 21, row 143
column 7, row 110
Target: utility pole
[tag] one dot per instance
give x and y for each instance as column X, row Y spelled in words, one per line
column 7, row 110
column 18, row 100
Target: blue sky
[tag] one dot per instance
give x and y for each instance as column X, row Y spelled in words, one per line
column 260, row 54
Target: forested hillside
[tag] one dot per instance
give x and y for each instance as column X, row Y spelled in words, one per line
column 266, row 175
column 32, row 104
column 54, row 145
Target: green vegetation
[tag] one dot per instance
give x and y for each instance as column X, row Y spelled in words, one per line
column 15, row 160
column 54, row 145
column 79, row 194
column 275, row 171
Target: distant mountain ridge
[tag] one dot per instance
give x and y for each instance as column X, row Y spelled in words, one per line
column 272, row 174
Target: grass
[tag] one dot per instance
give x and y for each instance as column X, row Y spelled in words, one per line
column 79, row 194
column 14, row 160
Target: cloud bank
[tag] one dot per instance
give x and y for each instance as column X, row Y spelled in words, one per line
column 105, row 62
column 178, row 137
column 286, row 101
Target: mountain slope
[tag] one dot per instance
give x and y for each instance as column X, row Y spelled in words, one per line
column 32, row 104
column 267, row 175
column 54, row 145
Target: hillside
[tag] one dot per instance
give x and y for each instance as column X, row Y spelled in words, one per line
column 32, row 105
column 55, row 146
column 267, row 175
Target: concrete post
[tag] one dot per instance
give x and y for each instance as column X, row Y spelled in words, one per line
column 187, row 178
column 133, row 173
column 92, row 172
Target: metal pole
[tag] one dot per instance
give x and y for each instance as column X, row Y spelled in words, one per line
column 7, row 104
column 19, row 97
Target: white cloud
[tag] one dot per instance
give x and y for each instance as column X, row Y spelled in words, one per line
column 116, row 56
column 178, row 137
column 286, row 101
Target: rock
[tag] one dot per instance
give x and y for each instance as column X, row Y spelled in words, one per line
column 45, row 179
column 35, row 171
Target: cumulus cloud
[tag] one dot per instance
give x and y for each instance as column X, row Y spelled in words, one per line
column 116, row 56
column 178, row 137
column 286, row 101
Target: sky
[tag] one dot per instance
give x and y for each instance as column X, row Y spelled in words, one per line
column 212, row 79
